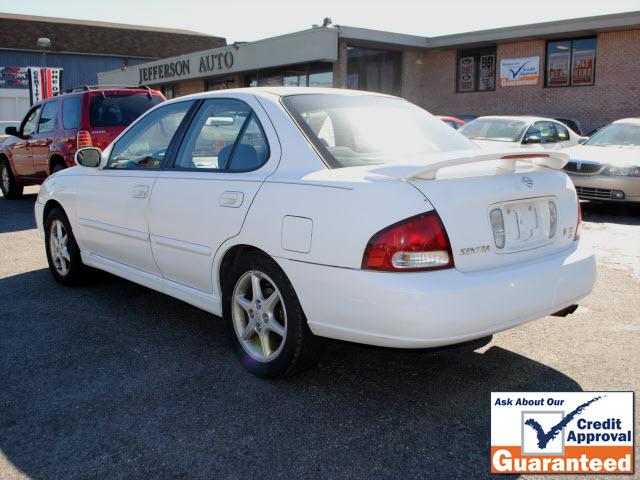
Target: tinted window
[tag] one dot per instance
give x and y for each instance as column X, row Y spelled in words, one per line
column 496, row 129
column 145, row 143
column 225, row 135
column 119, row 110
column 367, row 130
column 29, row 126
column 49, row 118
column 71, row 112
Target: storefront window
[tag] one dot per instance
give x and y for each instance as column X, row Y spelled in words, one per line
column 476, row 70
column 374, row 70
column 318, row 74
column 571, row 62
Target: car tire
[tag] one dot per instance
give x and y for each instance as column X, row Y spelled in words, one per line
column 63, row 253
column 11, row 189
column 267, row 326
column 57, row 167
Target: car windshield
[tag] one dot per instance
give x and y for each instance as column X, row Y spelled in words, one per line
column 495, row 129
column 368, row 130
column 617, row 134
column 119, row 110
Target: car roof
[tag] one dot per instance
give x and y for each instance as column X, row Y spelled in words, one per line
column 634, row 120
column 286, row 91
column 524, row 118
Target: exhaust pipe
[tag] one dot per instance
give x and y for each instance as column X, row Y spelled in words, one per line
column 565, row 311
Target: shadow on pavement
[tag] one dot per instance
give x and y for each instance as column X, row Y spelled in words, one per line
column 112, row 380
column 17, row 215
column 622, row 213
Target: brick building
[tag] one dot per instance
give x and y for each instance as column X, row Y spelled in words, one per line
column 81, row 49
column 586, row 69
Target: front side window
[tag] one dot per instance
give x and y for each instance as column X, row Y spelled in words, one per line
column 49, row 118
column 545, row 131
column 496, row 129
column 571, row 62
column 71, row 112
column 224, row 135
column 30, row 123
column 370, row 130
column 561, row 132
column 476, row 70
column 617, row 134
column 144, row 145
column 111, row 110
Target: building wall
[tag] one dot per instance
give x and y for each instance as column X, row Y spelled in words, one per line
column 78, row 69
column 187, row 87
column 616, row 92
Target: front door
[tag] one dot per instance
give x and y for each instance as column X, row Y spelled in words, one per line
column 42, row 139
column 203, row 198
column 21, row 150
column 113, row 203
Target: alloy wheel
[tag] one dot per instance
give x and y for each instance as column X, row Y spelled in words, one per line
column 259, row 317
column 58, row 247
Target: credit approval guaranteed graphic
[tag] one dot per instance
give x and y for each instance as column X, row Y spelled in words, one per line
column 562, row 432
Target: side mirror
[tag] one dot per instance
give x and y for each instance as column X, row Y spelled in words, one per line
column 12, row 131
column 88, row 157
column 532, row 139
column 582, row 140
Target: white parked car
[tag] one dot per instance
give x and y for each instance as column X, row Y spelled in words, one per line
column 607, row 166
column 298, row 214
column 520, row 132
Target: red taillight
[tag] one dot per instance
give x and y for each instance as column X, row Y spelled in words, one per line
column 577, row 234
column 84, row 139
column 417, row 243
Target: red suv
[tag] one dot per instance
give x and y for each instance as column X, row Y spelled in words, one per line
column 54, row 129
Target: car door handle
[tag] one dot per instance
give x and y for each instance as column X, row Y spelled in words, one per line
column 140, row 191
column 231, row 199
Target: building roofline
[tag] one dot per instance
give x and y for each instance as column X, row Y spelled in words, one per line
column 380, row 36
column 91, row 23
column 573, row 26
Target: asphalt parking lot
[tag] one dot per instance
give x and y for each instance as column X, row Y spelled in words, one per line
column 112, row 380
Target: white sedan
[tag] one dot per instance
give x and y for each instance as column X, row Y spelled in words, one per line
column 520, row 132
column 297, row 214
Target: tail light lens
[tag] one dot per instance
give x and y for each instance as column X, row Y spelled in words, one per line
column 579, row 224
column 553, row 219
column 84, row 139
column 415, row 244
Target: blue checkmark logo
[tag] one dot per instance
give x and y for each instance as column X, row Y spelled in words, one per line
column 545, row 437
column 515, row 74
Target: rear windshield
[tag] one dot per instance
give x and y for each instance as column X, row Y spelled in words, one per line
column 119, row 110
column 368, row 130
column 496, row 129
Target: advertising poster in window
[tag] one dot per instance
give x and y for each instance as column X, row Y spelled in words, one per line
column 487, row 79
column 582, row 70
column 467, row 75
column 558, row 69
column 516, row 72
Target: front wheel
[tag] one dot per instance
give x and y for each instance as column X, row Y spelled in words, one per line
column 63, row 253
column 11, row 189
column 269, row 329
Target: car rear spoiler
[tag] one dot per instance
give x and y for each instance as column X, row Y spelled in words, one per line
column 506, row 161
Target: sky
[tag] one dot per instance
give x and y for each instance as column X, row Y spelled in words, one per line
column 247, row 20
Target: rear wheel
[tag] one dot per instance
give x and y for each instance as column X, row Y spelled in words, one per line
column 11, row 189
column 63, row 254
column 57, row 166
column 269, row 329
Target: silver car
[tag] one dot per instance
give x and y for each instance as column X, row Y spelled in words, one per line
column 607, row 166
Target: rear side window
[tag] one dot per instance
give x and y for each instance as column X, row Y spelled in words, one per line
column 49, row 118
column 71, row 112
column 224, row 135
column 544, row 130
column 119, row 110
column 562, row 132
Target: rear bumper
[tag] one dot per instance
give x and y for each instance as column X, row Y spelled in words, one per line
column 431, row 309
column 599, row 187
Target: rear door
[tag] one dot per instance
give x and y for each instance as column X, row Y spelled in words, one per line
column 110, row 112
column 71, row 108
column 21, row 150
column 112, row 203
column 202, row 200
column 43, row 138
